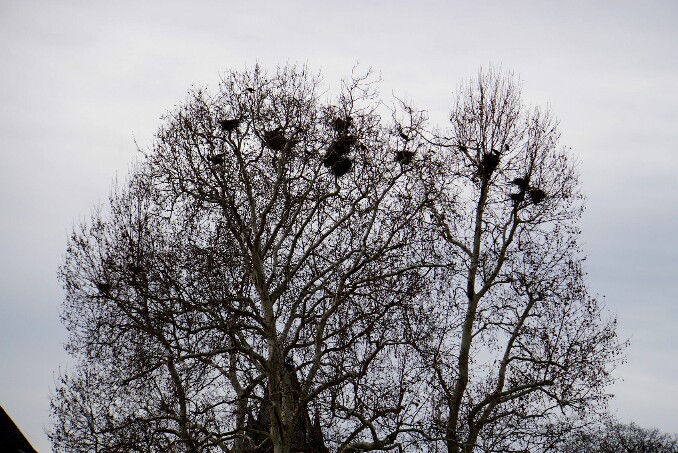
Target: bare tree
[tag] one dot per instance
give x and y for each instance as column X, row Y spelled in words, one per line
column 613, row 437
column 517, row 345
column 261, row 257
column 284, row 272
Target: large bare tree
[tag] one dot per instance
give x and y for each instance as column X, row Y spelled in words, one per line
column 284, row 271
column 262, row 256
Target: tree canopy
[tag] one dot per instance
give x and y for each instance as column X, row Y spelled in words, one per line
column 615, row 437
column 287, row 270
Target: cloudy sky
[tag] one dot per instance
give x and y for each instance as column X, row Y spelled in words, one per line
column 81, row 81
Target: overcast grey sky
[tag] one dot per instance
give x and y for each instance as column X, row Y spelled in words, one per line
column 81, row 80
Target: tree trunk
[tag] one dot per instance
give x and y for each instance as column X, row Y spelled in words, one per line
column 454, row 442
column 282, row 405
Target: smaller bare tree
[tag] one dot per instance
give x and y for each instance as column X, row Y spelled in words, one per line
column 517, row 348
column 613, row 437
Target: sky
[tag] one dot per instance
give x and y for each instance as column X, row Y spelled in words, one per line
column 83, row 82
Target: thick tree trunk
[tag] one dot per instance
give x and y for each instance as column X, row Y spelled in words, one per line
column 282, row 405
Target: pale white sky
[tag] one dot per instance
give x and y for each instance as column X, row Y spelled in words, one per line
column 81, row 80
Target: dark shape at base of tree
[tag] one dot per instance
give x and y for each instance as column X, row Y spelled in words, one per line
column 307, row 436
column 12, row 439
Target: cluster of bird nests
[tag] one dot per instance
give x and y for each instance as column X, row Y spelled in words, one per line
column 274, row 139
column 336, row 158
column 488, row 164
column 227, row 125
column 536, row 194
